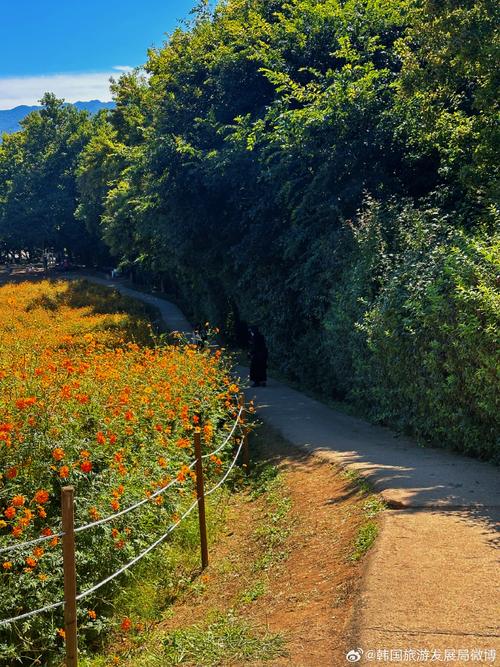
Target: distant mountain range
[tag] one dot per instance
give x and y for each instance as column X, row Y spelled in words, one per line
column 10, row 118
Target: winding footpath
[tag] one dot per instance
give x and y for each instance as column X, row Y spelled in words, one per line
column 430, row 591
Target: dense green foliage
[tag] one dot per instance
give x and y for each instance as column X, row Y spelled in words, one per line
column 327, row 170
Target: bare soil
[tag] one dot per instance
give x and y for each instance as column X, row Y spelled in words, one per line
column 312, row 583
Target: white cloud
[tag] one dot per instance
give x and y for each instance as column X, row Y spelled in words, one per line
column 123, row 68
column 15, row 91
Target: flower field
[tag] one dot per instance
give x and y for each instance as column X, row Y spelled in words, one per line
column 88, row 398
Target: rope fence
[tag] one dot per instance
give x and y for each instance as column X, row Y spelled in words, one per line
column 111, row 517
column 68, row 535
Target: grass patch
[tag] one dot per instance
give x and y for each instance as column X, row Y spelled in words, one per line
column 275, row 526
column 227, row 639
column 256, row 591
column 263, row 478
column 155, row 583
column 372, row 506
column 364, row 540
column 363, row 485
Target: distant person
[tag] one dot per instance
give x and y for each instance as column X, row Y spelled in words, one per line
column 258, row 358
column 199, row 336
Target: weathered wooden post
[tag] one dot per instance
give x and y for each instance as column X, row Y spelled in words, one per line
column 245, row 450
column 69, row 564
column 200, row 493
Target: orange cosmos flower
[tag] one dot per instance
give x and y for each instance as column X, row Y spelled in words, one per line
column 38, row 552
column 18, row 501
column 11, row 473
column 10, row 512
column 7, row 565
column 24, row 403
column 85, row 466
column 115, row 505
column 126, row 624
column 64, row 472
column 41, row 496
column 94, row 514
column 91, row 614
column 31, row 562
column 46, row 532
column 101, row 438
column 17, row 531
column 66, row 391
column 58, row 454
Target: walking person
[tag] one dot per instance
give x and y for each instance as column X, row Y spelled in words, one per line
column 258, row 358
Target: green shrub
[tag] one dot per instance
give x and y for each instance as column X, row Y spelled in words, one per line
column 416, row 319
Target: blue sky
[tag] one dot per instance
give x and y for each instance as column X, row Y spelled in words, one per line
column 72, row 47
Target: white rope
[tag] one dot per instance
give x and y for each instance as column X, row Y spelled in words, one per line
column 134, row 560
column 129, row 509
column 160, row 539
column 11, row 547
column 221, row 482
column 206, row 456
column 31, row 613
column 137, row 558
column 162, row 490
column 111, row 517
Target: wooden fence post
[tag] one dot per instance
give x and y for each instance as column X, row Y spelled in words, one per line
column 68, row 525
column 200, row 493
column 245, row 450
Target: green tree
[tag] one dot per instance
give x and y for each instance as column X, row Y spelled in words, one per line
column 38, row 188
column 448, row 97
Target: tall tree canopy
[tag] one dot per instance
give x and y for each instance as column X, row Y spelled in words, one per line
column 37, row 181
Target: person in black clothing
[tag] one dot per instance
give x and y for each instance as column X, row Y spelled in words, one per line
column 258, row 358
